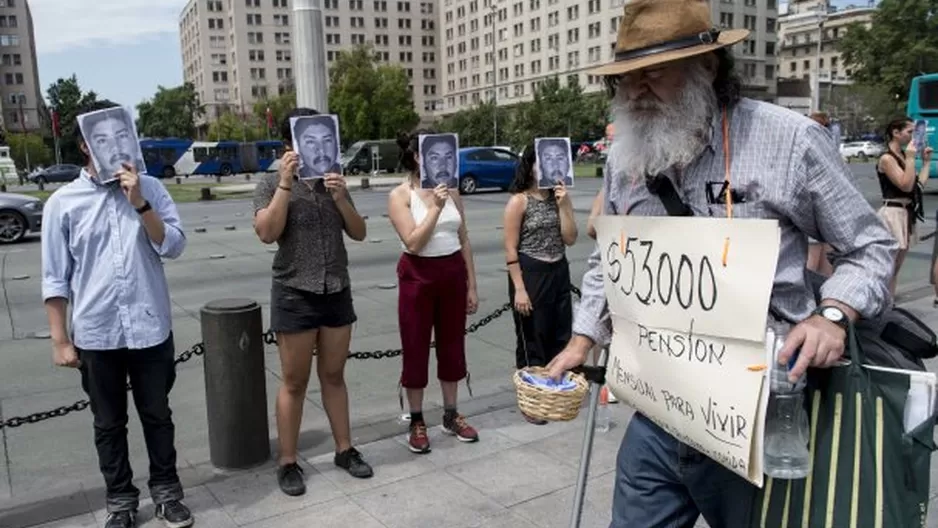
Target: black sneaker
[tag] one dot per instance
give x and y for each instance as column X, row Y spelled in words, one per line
column 351, row 460
column 121, row 519
column 290, row 478
column 174, row 514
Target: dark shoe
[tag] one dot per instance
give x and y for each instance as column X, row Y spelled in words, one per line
column 174, row 514
column 533, row 420
column 418, row 442
column 351, row 460
column 121, row 519
column 290, row 478
column 458, row 427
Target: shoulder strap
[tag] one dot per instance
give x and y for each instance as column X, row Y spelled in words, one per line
column 661, row 186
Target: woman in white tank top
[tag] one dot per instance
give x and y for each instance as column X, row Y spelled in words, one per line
column 436, row 286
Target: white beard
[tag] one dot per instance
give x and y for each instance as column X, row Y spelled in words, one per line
column 652, row 137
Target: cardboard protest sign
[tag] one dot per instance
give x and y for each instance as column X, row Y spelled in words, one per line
column 689, row 299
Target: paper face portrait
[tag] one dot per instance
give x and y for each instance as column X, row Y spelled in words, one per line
column 918, row 134
column 111, row 136
column 554, row 162
column 316, row 140
column 439, row 160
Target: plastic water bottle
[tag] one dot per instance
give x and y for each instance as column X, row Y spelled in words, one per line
column 603, row 417
column 786, row 454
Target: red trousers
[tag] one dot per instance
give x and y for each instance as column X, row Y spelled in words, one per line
column 432, row 296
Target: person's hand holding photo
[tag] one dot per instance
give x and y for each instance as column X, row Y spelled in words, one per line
column 130, row 184
column 335, row 184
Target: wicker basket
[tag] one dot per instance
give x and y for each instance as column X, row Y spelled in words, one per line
column 551, row 405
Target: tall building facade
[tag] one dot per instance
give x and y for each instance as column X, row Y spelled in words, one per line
column 808, row 38
column 20, row 92
column 238, row 52
column 507, row 48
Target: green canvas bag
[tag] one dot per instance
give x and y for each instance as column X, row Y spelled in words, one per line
column 867, row 472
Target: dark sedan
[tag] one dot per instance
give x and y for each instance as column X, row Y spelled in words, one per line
column 19, row 215
column 56, row 174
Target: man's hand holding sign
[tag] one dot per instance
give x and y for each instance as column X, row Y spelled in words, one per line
column 689, row 318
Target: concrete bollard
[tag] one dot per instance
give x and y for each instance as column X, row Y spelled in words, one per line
column 218, row 179
column 178, row 180
column 235, row 385
column 599, row 171
column 206, row 194
column 365, row 183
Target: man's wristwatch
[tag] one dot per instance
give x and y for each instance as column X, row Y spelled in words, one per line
column 834, row 315
column 146, row 207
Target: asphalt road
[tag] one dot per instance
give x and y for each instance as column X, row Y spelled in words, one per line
column 227, row 260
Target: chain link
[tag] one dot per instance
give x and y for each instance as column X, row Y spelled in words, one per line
column 270, row 338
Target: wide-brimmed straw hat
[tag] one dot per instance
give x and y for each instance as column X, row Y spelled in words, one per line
column 657, row 31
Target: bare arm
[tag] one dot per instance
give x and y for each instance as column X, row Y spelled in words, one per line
column 464, row 241
column 514, row 214
column 413, row 236
column 355, row 226
column 57, row 312
column 568, row 229
column 272, row 201
column 595, row 211
column 903, row 179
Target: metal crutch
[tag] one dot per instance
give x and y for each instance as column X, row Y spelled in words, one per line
column 596, row 375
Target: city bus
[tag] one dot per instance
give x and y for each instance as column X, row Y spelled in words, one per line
column 170, row 157
column 923, row 104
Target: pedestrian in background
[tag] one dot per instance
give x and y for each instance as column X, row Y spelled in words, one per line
column 102, row 246
column 436, row 290
column 902, row 191
column 311, row 307
column 539, row 225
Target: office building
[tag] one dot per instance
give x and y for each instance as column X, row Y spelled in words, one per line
column 511, row 46
column 808, row 38
column 237, row 52
column 20, row 91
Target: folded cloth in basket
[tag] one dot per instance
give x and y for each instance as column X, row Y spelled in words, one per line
column 545, row 382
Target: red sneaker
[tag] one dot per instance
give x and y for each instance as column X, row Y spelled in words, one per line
column 418, row 441
column 458, row 427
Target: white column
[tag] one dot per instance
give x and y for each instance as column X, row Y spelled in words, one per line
column 309, row 56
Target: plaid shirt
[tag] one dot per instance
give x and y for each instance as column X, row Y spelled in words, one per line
column 787, row 168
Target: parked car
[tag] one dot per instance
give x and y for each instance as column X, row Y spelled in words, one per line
column 861, row 150
column 485, row 168
column 19, row 214
column 56, row 174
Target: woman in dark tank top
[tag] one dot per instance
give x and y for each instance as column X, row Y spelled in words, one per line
column 539, row 225
column 902, row 191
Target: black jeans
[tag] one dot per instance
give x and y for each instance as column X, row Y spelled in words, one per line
column 152, row 372
column 543, row 334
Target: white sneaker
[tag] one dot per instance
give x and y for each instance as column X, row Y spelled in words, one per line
column 612, row 398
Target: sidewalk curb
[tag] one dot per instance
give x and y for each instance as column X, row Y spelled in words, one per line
column 72, row 499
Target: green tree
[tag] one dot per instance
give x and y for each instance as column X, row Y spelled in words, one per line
column 558, row 110
column 861, row 109
column 232, row 126
column 67, row 98
column 171, row 113
column 280, row 107
column 372, row 100
column 474, row 125
column 32, row 146
column 901, row 42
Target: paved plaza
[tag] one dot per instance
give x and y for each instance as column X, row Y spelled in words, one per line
column 518, row 475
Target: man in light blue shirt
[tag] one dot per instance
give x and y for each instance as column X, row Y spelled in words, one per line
column 102, row 246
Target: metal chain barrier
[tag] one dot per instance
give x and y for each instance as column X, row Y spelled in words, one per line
column 270, row 338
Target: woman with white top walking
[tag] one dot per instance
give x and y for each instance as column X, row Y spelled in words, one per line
column 436, row 288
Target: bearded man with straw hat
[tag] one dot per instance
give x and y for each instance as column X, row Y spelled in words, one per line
column 675, row 91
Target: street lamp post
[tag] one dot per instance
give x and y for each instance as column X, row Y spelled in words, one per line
column 309, row 55
column 816, row 89
column 494, row 79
